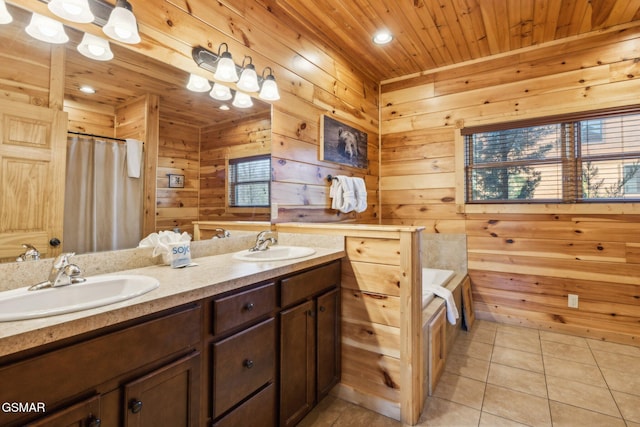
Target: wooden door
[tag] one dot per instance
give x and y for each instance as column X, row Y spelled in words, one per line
column 83, row 414
column 297, row 362
column 328, row 342
column 166, row 397
column 32, row 177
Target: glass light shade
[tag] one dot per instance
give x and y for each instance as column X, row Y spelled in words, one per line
column 220, row 92
column 5, row 16
column 226, row 70
column 72, row 10
column 269, row 91
column 198, row 84
column 122, row 25
column 249, row 79
column 46, row 29
column 242, row 100
column 95, row 48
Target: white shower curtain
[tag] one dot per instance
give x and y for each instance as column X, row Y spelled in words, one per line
column 103, row 206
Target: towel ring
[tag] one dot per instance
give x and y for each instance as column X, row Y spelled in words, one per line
column 330, row 178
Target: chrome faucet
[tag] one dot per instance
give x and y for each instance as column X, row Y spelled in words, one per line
column 263, row 242
column 221, row 233
column 62, row 273
column 31, row 253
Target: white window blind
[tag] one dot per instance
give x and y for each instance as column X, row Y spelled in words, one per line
column 249, row 181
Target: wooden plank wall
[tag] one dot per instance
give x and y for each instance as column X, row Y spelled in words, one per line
column 95, row 119
column 178, row 153
column 251, row 136
column 524, row 260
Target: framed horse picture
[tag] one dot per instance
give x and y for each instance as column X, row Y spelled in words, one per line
column 341, row 143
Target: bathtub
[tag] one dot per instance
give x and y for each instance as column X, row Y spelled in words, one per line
column 433, row 277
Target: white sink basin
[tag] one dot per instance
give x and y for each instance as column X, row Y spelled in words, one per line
column 275, row 253
column 20, row 304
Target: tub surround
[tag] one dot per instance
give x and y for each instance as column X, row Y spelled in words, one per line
column 215, row 274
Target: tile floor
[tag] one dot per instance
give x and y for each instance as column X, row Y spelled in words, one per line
column 501, row 375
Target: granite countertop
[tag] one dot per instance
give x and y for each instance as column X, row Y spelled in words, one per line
column 213, row 275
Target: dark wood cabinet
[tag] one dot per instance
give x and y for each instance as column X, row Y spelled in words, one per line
column 82, row 414
column 309, row 340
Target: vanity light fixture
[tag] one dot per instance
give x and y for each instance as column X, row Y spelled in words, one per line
column 226, row 69
column 198, row 83
column 248, row 78
column 242, row 100
column 5, row 16
column 382, row 37
column 94, row 47
column 220, row 92
column 122, row 25
column 269, row 90
column 46, row 29
column 72, row 10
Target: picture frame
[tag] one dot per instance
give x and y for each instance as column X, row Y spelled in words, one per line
column 176, row 181
column 342, row 143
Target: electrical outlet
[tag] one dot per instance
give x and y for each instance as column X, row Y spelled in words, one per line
column 573, row 301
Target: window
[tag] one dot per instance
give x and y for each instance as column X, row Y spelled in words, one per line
column 249, row 182
column 569, row 159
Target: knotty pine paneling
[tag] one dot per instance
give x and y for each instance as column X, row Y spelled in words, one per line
column 523, row 260
column 95, row 119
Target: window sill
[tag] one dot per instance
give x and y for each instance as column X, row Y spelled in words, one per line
column 551, row 208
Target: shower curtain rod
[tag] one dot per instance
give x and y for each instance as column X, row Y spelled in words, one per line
column 96, row 136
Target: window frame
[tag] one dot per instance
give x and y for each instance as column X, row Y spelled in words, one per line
column 228, row 185
column 570, row 157
column 527, row 208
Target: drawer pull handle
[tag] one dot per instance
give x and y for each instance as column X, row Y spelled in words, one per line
column 94, row 422
column 248, row 363
column 322, row 309
column 135, row 406
column 249, row 306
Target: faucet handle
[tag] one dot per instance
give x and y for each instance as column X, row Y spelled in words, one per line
column 62, row 260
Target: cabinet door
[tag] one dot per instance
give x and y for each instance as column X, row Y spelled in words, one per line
column 166, row 397
column 83, row 414
column 297, row 362
column 328, row 344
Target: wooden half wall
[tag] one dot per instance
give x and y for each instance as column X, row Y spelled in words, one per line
column 524, row 260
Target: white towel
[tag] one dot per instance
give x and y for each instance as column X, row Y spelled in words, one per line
column 134, row 157
column 343, row 194
column 361, row 194
column 444, row 293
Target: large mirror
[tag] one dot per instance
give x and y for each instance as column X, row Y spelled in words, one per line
column 196, row 138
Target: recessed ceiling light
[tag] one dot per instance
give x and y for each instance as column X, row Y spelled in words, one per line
column 382, row 37
column 87, row 89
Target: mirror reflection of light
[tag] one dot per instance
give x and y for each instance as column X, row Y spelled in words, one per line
column 87, row 89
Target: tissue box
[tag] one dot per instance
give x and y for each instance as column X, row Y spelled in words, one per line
column 179, row 254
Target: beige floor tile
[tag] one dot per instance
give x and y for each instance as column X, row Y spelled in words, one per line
column 563, row 338
column 517, row 379
column 622, row 381
column 513, row 405
column 518, row 330
column 466, row 366
column 620, row 362
column 476, row 349
column 568, row 352
column 629, row 406
column 463, row 390
column 581, row 372
column 439, row 412
column 485, row 335
column 570, row 416
column 490, row 420
column 582, row 395
column 326, row 413
column 525, row 342
column 517, row 359
column 357, row 416
column 611, row 347
column 632, row 424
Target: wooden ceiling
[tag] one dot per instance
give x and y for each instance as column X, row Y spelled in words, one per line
column 431, row 34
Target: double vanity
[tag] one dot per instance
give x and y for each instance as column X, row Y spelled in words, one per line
column 230, row 341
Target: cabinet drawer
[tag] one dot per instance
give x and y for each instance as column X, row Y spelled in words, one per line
column 243, row 363
column 259, row 411
column 303, row 285
column 243, row 307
